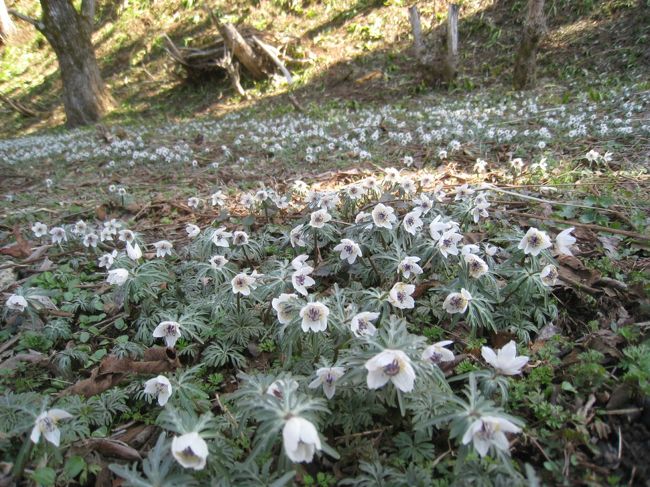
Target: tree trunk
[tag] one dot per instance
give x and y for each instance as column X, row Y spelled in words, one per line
column 85, row 97
column 7, row 28
column 525, row 71
column 451, row 61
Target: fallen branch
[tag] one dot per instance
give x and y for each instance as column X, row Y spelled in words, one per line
column 268, row 50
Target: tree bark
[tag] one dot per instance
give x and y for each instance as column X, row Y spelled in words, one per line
column 85, row 97
column 525, row 71
column 451, row 61
column 416, row 27
column 7, row 28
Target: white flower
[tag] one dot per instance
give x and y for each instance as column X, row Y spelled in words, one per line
column 314, row 317
column 46, row 425
column 410, row 266
column 112, row 226
column 219, row 237
column 448, row 243
column 354, row 191
column 159, row 387
column 58, row 235
column 239, row 238
column 390, row 365
column 534, row 242
column 243, row 284
column 90, row 240
column 300, row 439
column 169, row 330
column 438, row 227
column 117, row 276
column 412, row 222
column 39, row 229
column 107, row 260
column 247, row 200
column 383, row 216
column 319, row 218
column 190, row 450
column 423, row 203
column 470, row 249
column 457, row 302
column 218, row 261
column 79, row 228
column 300, row 263
column 16, row 303
column 592, row 155
column 280, row 305
column 491, row 250
column 489, row 431
column 400, row 295
column 133, row 251
column 475, row 265
column 549, row 275
column 192, row 230
column 163, row 248
column 564, row 241
column 296, row 237
column 193, row 202
column 362, row 216
column 463, row 193
column 327, row 377
column 218, row 199
column 105, row 235
column 408, row 185
column 505, row 361
column 480, row 165
column 361, row 324
column 126, row 236
column 437, row 353
column 349, row 250
column 301, row 280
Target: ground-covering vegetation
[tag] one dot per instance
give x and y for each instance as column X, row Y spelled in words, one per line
column 395, row 286
column 339, row 327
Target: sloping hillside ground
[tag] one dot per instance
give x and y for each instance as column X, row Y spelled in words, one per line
column 466, row 171
column 358, row 52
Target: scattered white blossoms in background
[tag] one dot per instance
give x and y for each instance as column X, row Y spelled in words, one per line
column 489, row 431
column 193, row 202
column 361, row 324
column 393, row 366
column 163, row 248
column 400, row 295
column 564, row 241
column 549, row 275
column 383, row 216
column 505, row 360
column 46, row 425
column 159, row 387
column 39, row 229
column 457, row 302
column 437, row 353
column 300, row 439
column 314, row 317
column 534, row 242
column 117, row 276
column 170, row 331
column 327, row 377
column 16, row 303
column 190, row 450
column 349, row 250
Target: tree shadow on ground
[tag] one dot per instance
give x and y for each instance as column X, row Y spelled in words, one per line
column 488, row 40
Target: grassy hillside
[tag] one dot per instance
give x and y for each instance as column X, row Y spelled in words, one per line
column 357, row 52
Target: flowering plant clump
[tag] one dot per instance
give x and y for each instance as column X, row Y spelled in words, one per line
column 265, row 336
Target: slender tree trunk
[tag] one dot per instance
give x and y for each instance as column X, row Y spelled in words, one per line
column 7, row 28
column 85, row 97
column 525, row 72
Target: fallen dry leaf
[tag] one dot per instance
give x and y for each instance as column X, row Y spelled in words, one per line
column 112, row 370
column 21, row 249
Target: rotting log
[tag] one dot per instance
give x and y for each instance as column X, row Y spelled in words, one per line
column 241, row 50
column 525, row 70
